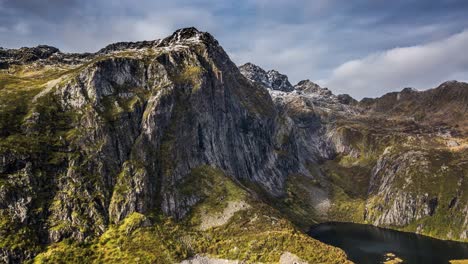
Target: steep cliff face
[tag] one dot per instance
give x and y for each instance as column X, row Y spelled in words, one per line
column 420, row 190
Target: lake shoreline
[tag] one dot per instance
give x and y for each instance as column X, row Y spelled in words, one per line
column 364, row 243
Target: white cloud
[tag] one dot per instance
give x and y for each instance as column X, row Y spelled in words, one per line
column 421, row 66
column 300, row 38
column 95, row 32
column 286, row 48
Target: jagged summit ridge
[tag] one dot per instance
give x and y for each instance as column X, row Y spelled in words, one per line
column 271, row 79
column 281, row 90
column 190, row 34
column 276, row 81
column 26, row 54
column 308, row 86
column 179, row 37
column 49, row 55
column 118, row 46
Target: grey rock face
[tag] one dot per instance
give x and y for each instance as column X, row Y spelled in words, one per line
column 26, row 55
column 397, row 199
column 279, row 81
column 346, row 99
column 307, row 86
column 139, row 127
column 122, row 46
column 254, row 73
column 271, row 79
column 283, row 92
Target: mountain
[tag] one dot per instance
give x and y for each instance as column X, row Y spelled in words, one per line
column 397, row 161
column 166, row 151
column 271, row 79
column 444, row 105
column 141, row 152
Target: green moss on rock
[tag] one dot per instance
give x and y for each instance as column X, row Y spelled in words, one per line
column 257, row 234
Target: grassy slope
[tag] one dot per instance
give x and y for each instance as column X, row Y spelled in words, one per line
column 42, row 142
column 348, row 178
column 446, row 167
column 257, row 234
column 18, row 86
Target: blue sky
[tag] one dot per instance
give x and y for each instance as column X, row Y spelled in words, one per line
column 362, row 47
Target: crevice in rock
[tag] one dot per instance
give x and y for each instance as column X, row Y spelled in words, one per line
column 453, row 202
column 433, row 205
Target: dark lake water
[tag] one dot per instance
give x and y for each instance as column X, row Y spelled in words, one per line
column 368, row 244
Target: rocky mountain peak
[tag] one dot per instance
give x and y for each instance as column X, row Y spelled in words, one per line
column 279, row 81
column 451, row 82
column 303, row 93
column 346, row 99
column 408, row 90
column 42, row 50
column 457, row 85
column 189, row 35
column 179, row 37
column 271, row 79
column 255, row 74
column 43, row 54
column 307, row 86
column 26, row 54
column 249, row 68
column 306, row 82
column 119, row 46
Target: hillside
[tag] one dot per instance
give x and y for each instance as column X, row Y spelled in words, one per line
column 398, row 161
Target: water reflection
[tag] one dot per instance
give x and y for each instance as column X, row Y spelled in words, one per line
column 368, row 244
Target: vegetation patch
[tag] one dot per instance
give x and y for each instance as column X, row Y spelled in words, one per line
column 257, row 234
column 190, row 75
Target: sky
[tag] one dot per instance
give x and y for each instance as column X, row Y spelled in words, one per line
column 364, row 48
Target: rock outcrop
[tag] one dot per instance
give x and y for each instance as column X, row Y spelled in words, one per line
column 271, row 79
